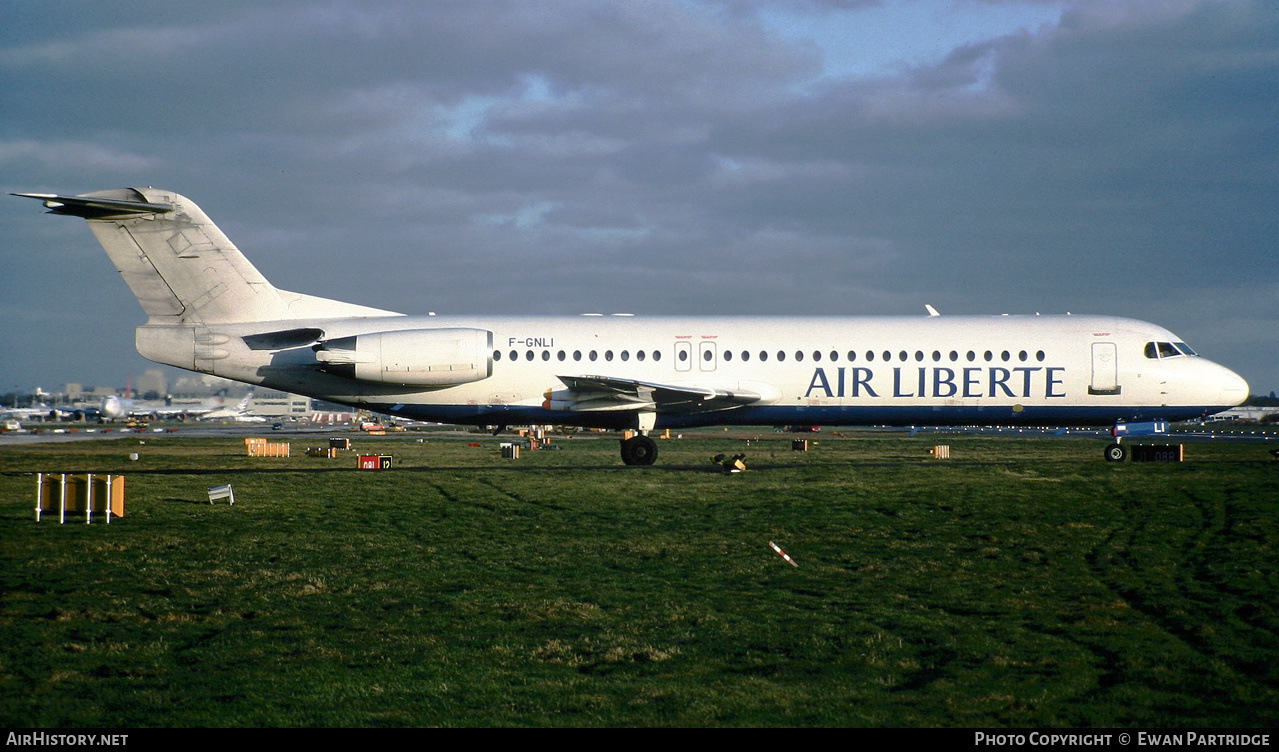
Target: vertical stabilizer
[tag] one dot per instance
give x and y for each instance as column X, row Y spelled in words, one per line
column 189, row 278
column 179, row 264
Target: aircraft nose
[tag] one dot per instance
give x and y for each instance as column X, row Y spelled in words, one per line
column 1231, row 386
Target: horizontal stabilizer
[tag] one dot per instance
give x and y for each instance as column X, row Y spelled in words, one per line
column 93, row 207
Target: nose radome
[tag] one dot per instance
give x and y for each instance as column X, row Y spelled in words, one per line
column 1233, row 387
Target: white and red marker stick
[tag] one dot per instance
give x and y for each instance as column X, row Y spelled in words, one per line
column 783, row 554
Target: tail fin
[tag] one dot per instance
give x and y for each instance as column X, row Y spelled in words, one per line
column 180, row 266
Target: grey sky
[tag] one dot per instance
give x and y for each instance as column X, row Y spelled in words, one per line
column 658, row 157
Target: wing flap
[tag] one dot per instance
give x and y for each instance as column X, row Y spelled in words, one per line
column 611, row 393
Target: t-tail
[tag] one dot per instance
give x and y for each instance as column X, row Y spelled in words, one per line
column 186, row 274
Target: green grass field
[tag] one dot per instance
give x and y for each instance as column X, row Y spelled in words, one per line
column 1025, row 582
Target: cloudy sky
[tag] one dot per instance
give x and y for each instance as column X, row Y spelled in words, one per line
column 668, row 156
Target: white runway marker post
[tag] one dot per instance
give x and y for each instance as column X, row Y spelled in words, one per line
column 783, row 554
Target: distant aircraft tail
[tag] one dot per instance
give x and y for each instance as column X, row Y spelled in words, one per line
column 181, row 267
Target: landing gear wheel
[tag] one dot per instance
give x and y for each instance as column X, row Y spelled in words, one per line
column 1116, row 453
column 639, row 450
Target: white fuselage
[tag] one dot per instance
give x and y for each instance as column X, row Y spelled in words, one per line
column 1089, row 370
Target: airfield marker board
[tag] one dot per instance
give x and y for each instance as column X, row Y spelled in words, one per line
column 373, row 462
column 86, row 493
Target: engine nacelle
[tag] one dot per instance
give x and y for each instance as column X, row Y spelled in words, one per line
column 413, row 357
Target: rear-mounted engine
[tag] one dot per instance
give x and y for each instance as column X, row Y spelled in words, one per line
column 413, row 357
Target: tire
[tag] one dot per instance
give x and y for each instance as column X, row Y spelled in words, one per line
column 1116, row 453
column 639, row 450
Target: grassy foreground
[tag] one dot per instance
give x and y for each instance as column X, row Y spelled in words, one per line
column 1021, row 583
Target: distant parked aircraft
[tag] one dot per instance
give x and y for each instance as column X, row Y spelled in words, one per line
column 239, row 413
column 116, row 408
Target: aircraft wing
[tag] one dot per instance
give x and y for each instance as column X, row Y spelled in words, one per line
column 611, row 393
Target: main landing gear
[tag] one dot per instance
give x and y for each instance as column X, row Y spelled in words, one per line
column 639, row 450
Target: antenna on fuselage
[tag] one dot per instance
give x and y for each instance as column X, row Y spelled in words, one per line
column 931, row 311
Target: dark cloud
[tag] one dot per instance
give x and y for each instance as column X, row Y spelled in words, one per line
column 652, row 157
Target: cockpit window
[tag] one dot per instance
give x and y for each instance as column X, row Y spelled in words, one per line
column 1167, row 349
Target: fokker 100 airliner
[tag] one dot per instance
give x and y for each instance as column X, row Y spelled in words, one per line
column 209, row 310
